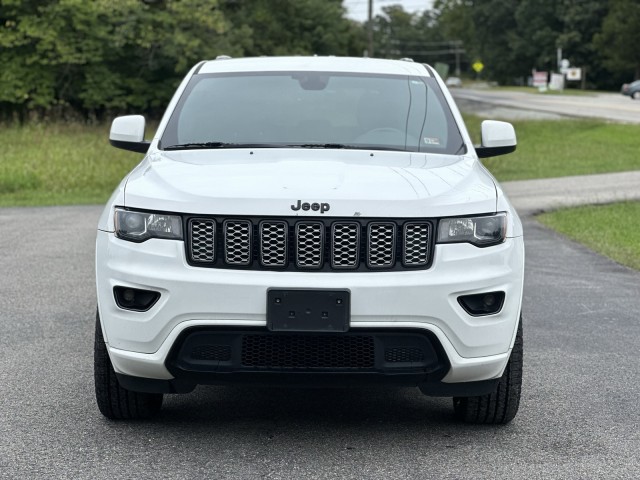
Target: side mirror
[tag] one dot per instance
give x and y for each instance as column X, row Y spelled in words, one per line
column 128, row 133
column 498, row 138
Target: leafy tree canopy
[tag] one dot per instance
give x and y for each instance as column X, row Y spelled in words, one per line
column 104, row 56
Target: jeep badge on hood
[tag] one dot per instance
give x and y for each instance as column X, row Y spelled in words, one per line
column 323, row 207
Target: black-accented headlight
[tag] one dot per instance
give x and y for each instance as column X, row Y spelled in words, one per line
column 140, row 226
column 480, row 231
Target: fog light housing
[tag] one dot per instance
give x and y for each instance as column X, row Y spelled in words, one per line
column 135, row 299
column 480, row 304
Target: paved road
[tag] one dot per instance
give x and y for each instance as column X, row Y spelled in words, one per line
column 608, row 106
column 580, row 414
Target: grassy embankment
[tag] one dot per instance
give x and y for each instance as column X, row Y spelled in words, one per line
column 548, row 149
column 612, row 230
column 62, row 164
column 59, row 164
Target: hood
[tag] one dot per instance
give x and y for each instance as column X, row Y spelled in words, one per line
column 265, row 182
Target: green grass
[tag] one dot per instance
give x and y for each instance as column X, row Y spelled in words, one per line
column 612, row 230
column 559, row 148
column 59, row 164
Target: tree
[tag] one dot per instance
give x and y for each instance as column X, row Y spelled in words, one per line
column 533, row 42
column 486, row 28
column 513, row 37
column 618, row 39
column 295, row 27
column 112, row 56
column 94, row 56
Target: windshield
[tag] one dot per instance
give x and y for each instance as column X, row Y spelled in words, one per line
column 313, row 110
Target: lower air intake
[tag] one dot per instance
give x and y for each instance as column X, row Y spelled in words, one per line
column 403, row 355
column 308, row 352
column 220, row 353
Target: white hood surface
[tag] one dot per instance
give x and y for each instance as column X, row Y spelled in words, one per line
column 355, row 183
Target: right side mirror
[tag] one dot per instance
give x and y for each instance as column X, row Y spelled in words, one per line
column 498, row 138
column 128, row 133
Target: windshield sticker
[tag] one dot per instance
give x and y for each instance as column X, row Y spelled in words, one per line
column 431, row 141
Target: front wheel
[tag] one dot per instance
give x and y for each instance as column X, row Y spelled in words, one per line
column 635, row 95
column 500, row 406
column 115, row 402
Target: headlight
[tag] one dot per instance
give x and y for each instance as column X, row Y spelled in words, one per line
column 141, row 226
column 479, row 231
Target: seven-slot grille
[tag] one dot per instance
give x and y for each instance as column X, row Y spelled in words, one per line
column 314, row 244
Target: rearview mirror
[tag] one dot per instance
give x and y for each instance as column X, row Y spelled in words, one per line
column 498, row 138
column 128, row 133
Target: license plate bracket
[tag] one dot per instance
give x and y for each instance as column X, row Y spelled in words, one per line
column 308, row 310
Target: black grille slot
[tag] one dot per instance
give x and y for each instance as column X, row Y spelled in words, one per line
column 313, row 244
column 273, row 243
column 308, row 351
column 237, row 242
column 221, row 353
column 403, row 354
column 345, row 245
column 202, row 240
column 309, row 244
column 416, row 243
column 381, row 245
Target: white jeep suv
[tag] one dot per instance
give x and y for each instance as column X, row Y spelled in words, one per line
column 310, row 221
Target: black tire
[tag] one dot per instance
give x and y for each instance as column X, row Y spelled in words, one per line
column 115, row 402
column 635, row 96
column 500, row 406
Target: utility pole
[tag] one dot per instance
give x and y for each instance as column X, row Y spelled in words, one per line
column 370, row 30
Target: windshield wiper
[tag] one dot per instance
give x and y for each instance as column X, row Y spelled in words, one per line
column 345, row 145
column 187, row 146
column 319, row 145
column 204, row 145
column 212, row 145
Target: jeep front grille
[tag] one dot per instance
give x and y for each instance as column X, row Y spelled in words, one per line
column 312, row 245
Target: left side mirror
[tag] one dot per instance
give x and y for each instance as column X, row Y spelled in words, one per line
column 498, row 138
column 128, row 133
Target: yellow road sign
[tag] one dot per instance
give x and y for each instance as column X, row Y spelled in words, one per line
column 478, row 66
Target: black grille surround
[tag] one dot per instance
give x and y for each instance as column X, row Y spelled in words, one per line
column 311, row 244
column 210, row 355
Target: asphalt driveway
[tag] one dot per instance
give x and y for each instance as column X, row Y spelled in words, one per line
column 579, row 418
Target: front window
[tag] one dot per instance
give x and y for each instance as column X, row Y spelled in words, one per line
column 313, row 109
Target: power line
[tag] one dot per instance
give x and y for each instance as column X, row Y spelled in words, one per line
column 358, row 9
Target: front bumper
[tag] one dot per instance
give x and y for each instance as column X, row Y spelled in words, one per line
column 258, row 356
column 476, row 348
